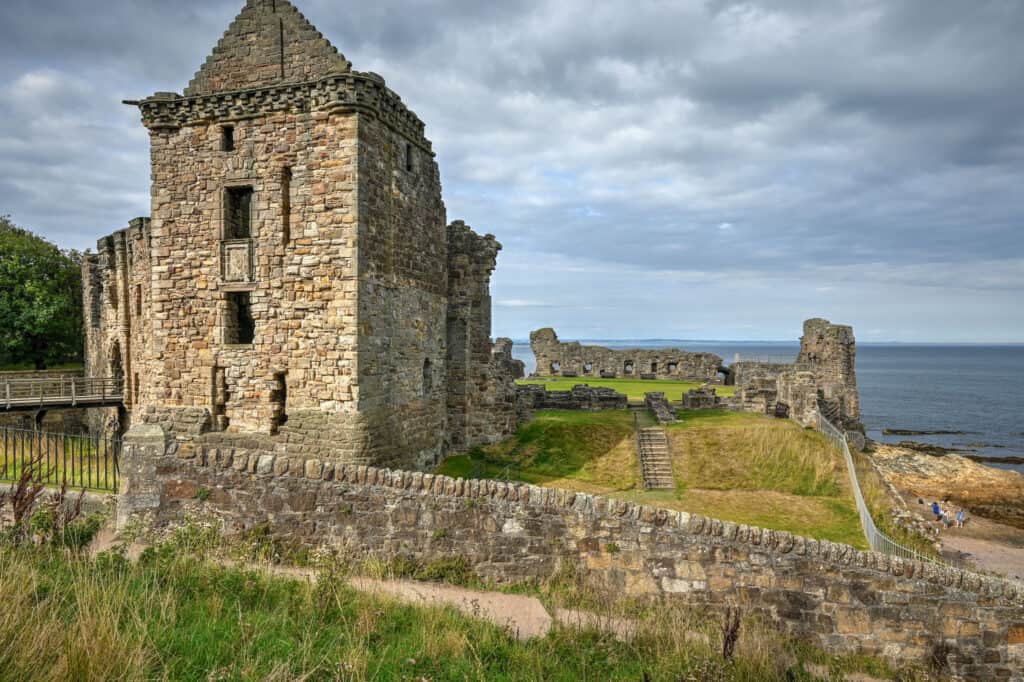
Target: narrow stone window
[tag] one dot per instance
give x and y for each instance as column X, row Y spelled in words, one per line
column 286, row 205
column 220, row 398
column 135, row 389
column 227, row 138
column 240, row 327
column 672, row 367
column 408, row 157
column 238, row 213
column 279, row 400
column 428, row 377
column 654, row 368
column 627, row 368
column 138, row 300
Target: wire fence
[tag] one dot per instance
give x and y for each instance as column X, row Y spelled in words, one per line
column 89, row 461
column 879, row 541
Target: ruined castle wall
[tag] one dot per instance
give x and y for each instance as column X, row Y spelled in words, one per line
column 303, row 281
column 829, row 350
column 745, row 373
column 555, row 358
column 846, row 601
column 480, row 378
column 537, row 397
column 116, row 299
column 403, row 261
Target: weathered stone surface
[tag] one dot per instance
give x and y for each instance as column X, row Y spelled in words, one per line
column 845, row 600
column 537, row 397
column 554, row 358
column 297, row 283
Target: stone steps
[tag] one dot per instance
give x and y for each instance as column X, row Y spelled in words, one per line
column 655, row 460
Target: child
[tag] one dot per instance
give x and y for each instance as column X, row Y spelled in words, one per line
column 960, row 519
column 936, row 511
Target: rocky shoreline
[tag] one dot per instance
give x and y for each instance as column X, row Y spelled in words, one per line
column 935, row 473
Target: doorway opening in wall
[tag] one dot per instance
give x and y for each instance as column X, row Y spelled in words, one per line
column 588, row 367
column 238, row 213
column 627, row 368
column 428, row 377
column 672, row 367
column 654, row 368
column 239, row 327
column 279, row 400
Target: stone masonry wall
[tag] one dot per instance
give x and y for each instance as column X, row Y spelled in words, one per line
column 537, row 397
column 844, row 600
column 298, row 280
column 403, row 296
column 829, row 350
column 555, row 357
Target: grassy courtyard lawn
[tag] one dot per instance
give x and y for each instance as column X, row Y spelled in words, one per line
column 732, row 466
column 633, row 388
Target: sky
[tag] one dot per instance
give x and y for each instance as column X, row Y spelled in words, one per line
column 654, row 169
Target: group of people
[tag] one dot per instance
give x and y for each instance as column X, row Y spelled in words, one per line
column 945, row 516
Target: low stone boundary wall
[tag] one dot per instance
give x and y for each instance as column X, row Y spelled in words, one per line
column 537, row 397
column 846, row 601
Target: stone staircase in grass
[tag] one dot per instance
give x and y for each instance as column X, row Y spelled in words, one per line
column 655, row 461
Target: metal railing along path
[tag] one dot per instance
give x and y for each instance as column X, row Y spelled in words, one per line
column 877, row 540
column 89, row 461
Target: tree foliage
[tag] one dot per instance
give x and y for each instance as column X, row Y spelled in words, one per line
column 40, row 300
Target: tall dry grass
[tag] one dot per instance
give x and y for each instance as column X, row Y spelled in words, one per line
column 78, row 628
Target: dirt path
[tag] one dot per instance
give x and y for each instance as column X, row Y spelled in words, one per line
column 524, row 617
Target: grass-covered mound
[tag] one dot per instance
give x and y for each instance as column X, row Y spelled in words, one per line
column 761, row 471
column 634, row 389
column 739, row 467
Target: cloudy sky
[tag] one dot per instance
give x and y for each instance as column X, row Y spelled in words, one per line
column 695, row 170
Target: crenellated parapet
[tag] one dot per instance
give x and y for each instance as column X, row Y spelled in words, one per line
column 356, row 92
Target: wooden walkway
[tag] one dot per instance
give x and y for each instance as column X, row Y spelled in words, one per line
column 57, row 392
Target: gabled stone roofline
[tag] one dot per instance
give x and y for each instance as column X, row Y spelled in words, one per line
column 355, row 91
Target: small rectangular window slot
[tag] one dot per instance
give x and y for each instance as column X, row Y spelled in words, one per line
column 240, row 327
column 227, row 138
column 238, row 213
column 408, row 157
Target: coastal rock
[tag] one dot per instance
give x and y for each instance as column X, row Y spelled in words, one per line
column 996, row 494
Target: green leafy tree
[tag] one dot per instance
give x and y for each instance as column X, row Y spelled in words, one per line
column 40, row 300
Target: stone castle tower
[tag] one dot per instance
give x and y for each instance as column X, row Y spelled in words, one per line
column 296, row 279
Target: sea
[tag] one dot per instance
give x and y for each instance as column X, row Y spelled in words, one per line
column 975, row 390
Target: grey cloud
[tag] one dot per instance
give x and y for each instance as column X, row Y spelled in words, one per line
column 868, row 155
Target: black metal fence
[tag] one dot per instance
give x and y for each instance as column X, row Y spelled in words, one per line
column 87, row 461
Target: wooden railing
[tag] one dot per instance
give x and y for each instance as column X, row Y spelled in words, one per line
column 60, row 391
